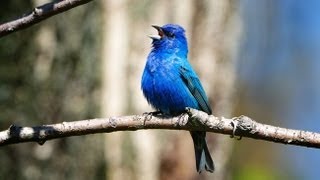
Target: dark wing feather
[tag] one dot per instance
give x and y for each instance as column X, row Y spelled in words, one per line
column 196, row 89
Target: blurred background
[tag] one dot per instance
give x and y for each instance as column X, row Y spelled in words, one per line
column 258, row 58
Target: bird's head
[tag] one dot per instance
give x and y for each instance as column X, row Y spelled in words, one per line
column 170, row 37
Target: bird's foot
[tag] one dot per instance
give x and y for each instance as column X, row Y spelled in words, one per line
column 149, row 115
column 197, row 117
column 154, row 113
column 182, row 120
column 235, row 124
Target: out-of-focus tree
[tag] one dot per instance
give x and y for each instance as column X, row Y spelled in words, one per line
column 49, row 73
column 52, row 73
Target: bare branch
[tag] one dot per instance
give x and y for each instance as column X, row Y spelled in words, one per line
column 191, row 121
column 39, row 14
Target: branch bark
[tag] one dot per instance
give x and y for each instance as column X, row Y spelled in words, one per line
column 39, row 14
column 193, row 120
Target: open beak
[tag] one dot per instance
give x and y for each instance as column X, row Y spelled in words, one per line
column 159, row 35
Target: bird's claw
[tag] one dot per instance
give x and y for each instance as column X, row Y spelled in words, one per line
column 154, row 113
column 182, row 120
column 235, row 123
column 149, row 116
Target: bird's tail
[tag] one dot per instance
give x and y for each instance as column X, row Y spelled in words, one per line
column 203, row 157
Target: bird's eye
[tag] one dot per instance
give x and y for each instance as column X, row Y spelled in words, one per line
column 169, row 34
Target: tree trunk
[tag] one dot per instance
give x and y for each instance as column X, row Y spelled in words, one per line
column 114, row 83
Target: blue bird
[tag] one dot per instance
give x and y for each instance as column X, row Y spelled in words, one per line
column 170, row 84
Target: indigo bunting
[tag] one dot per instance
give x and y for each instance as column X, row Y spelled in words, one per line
column 170, row 84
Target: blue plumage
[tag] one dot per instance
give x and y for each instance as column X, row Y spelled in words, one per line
column 170, row 84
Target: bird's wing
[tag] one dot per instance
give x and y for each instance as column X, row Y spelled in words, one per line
column 192, row 82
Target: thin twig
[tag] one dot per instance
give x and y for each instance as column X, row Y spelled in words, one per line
column 193, row 120
column 39, row 14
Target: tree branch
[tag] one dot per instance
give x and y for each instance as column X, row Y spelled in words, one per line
column 39, row 14
column 193, row 120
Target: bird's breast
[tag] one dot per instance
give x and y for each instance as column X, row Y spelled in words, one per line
column 164, row 87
